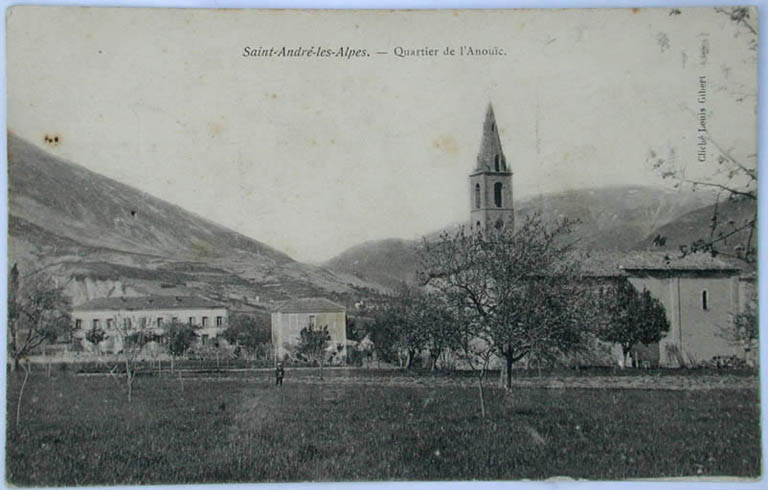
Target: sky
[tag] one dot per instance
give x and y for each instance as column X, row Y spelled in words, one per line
column 314, row 155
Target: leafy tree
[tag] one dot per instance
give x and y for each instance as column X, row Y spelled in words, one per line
column 313, row 343
column 356, row 328
column 38, row 312
column 383, row 332
column 95, row 335
column 744, row 330
column 633, row 318
column 248, row 331
column 180, row 337
column 519, row 290
column 398, row 332
column 431, row 325
column 747, row 329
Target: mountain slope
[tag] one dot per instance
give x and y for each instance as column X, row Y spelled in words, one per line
column 386, row 262
column 89, row 230
column 615, row 218
column 695, row 225
column 73, row 202
column 611, row 218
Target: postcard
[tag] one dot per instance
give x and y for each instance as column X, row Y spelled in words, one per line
column 313, row 245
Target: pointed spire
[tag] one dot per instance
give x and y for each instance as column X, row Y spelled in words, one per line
column 491, row 158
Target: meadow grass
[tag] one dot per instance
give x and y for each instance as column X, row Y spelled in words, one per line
column 77, row 430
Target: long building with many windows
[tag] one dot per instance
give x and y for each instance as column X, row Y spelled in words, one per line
column 129, row 314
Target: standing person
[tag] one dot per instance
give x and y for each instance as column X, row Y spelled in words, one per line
column 279, row 374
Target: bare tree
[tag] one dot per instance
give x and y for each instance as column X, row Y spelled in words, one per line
column 131, row 333
column 38, row 312
column 519, row 290
column 733, row 179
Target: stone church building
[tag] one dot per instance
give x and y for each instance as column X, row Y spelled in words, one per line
column 700, row 294
column 491, row 182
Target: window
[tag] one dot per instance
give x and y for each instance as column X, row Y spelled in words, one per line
column 159, row 321
column 175, row 319
column 478, row 225
column 477, row 196
column 204, row 338
column 78, row 323
column 143, row 322
column 191, row 320
column 496, row 162
column 499, row 224
column 110, row 323
column 96, row 323
column 311, row 321
column 219, row 321
column 704, row 300
column 205, row 321
column 126, row 323
column 497, row 187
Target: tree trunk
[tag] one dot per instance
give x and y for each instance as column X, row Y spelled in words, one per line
column 625, row 353
column 508, row 369
column 128, row 379
column 21, row 392
column 172, row 358
column 321, row 368
column 482, row 395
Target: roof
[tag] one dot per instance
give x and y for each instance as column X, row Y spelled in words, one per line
column 599, row 264
column 309, row 305
column 148, row 303
column 674, row 262
column 617, row 264
column 490, row 146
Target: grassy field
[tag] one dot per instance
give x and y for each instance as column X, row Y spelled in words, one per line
column 78, row 430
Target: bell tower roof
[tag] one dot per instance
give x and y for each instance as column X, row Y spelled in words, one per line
column 491, row 158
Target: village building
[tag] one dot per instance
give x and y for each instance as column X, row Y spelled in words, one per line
column 129, row 314
column 291, row 316
column 700, row 295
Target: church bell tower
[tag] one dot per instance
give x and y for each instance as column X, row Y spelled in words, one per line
column 490, row 183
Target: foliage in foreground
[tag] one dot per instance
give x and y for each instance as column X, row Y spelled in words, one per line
column 79, row 433
column 313, row 345
column 633, row 317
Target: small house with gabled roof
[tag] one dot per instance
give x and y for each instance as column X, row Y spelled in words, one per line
column 291, row 316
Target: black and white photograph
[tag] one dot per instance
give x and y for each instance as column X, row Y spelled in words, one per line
column 256, row 246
